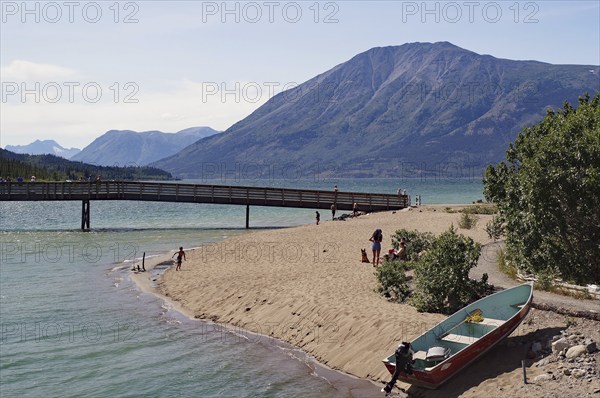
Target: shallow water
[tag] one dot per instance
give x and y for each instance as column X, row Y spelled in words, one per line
column 73, row 323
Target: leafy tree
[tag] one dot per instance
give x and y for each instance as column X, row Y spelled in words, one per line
column 548, row 193
column 495, row 228
column 442, row 275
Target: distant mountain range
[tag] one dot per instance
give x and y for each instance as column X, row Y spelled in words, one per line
column 395, row 111
column 44, row 147
column 130, row 148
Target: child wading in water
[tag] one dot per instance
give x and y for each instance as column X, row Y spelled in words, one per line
column 180, row 258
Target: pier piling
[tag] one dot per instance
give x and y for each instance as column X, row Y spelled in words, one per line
column 85, row 214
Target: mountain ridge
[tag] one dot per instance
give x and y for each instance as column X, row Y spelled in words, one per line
column 432, row 103
column 44, row 147
column 128, row 147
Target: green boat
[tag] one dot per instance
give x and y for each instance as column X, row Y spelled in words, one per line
column 442, row 351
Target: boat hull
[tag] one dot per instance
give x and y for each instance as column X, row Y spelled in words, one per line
column 435, row 376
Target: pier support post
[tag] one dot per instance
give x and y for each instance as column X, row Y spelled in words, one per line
column 85, row 214
column 247, row 216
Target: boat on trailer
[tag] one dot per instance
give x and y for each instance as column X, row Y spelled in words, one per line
column 442, row 351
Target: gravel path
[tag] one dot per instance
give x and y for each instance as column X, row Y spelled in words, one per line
column 488, row 264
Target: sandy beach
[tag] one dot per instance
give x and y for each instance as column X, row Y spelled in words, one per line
column 308, row 287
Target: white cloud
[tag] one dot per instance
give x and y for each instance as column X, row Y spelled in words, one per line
column 22, row 70
column 78, row 123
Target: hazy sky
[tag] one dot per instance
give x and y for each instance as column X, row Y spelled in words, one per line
column 71, row 70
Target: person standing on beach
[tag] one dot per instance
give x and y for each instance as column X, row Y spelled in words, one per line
column 318, row 215
column 180, row 258
column 376, row 238
column 333, row 208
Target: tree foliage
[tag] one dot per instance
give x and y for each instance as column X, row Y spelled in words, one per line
column 392, row 280
column 441, row 265
column 495, row 228
column 54, row 168
column 548, row 193
column 391, row 276
column 16, row 168
column 442, row 275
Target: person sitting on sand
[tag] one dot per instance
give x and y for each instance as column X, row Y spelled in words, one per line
column 376, row 238
column 401, row 253
column 180, row 258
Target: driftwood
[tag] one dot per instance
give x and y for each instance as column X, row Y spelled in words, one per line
column 594, row 316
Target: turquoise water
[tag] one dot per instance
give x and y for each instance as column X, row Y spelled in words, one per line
column 73, row 324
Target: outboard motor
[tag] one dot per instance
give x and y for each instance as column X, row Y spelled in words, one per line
column 404, row 361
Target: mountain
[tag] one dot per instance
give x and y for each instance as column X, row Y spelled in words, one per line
column 130, row 148
column 409, row 110
column 44, row 147
column 54, row 168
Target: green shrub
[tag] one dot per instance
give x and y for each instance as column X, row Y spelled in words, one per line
column 467, row 221
column 442, row 281
column 416, row 243
column 392, row 280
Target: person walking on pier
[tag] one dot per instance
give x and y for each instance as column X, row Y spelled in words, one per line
column 180, row 258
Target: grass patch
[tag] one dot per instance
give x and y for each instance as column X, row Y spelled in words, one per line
column 545, row 279
column 481, row 209
column 576, row 294
column 467, row 221
column 506, row 266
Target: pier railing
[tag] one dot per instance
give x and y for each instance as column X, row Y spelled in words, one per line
column 199, row 193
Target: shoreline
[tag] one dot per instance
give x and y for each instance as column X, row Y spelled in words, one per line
column 305, row 286
column 345, row 384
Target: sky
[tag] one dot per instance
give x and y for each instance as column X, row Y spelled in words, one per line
column 72, row 70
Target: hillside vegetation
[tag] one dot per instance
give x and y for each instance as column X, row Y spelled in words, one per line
column 53, row 168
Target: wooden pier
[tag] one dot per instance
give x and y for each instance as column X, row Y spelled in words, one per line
column 196, row 193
